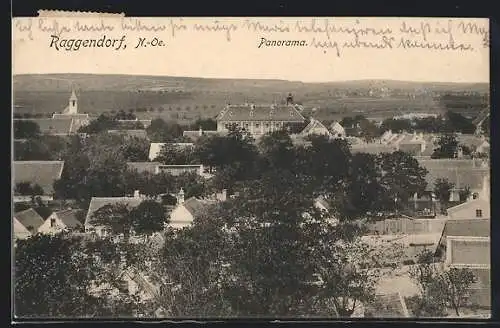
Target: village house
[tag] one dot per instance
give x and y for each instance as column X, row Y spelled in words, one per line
column 337, row 130
column 155, row 148
column 42, row 173
column 478, row 207
column 463, row 173
column 259, row 119
column 466, row 244
column 26, row 223
column 157, row 168
column 98, row 202
column 188, row 210
column 50, row 126
column 144, row 123
column 65, row 220
column 315, row 127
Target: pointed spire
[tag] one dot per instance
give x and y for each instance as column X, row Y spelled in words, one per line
column 73, row 94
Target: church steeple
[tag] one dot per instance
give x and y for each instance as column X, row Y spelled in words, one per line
column 73, row 103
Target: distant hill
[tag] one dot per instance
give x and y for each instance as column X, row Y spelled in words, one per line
column 186, row 98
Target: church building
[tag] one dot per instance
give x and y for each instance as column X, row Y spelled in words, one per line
column 71, row 112
column 260, row 119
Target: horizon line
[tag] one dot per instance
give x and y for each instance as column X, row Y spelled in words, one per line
column 261, row 79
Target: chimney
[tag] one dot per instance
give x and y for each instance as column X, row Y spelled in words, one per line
column 180, row 197
column 289, row 99
column 137, row 194
column 200, row 131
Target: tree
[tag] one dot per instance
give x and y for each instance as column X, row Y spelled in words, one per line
column 207, row 124
column 429, row 303
column 161, row 131
column 402, row 177
column 447, row 147
column 172, row 154
column 440, row 288
column 149, row 217
column 116, row 217
column 31, row 150
column 25, row 129
column 103, row 123
column 442, row 190
column 364, row 190
column 458, row 123
column 349, row 276
column 135, row 149
column 52, row 278
column 454, row 286
column 464, row 194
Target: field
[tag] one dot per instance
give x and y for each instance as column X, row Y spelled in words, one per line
column 185, row 99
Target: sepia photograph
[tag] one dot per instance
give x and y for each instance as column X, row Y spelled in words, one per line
column 277, row 167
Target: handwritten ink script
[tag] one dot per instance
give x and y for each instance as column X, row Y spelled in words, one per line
column 330, row 35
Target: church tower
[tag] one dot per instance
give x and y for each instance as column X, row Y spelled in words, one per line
column 73, row 103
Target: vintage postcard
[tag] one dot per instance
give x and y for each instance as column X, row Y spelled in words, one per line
column 221, row 167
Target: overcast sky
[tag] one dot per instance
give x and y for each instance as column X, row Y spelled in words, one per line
column 212, row 55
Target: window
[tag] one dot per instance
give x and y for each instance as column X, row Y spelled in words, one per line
column 257, row 125
column 479, row 213
column 52, row 223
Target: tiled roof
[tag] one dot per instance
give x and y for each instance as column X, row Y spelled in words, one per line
column 29, row 218
column 68, row 217
column 52, row 126
column 98, row 202
column 467, row 228
column 372, row 148
column 470, row 140
column 156, row 147
column 260, row 113
column 43, row 173
column 78, row 116
column 139, row 133
column 143, row 166
column 461, row 172
column 387, row 306
column 196, row 206
column 314, row 124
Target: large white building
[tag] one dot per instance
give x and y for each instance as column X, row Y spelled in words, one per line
column 259, row 119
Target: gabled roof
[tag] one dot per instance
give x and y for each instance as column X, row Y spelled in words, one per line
column 143, row 166
column 43, row 173
column 52, row 126
column 29, row 218
column 196, row 206
column 137, row 133
column 470, row 140
column 472, row 203
column 261, row 113
column 461, row 172
column 335, row 126
column 98, row 202
column 68, row 217
column 314, row 124
column 155, row 149
column 387, row 306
